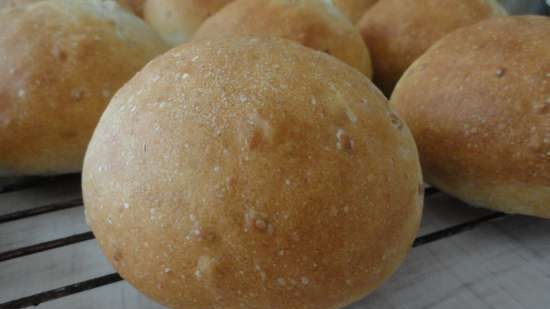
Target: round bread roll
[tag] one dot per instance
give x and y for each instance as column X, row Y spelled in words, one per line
column 56, row 81
column 354, row 9
column 252, row 173
column 136, row 6
column 478, row 104
column 313, row 23
column 398, row 32
column 177, row 20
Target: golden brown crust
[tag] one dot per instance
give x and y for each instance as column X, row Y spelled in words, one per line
column 320, row 26
column 252, row 172
column 478, row 104
column 136, row 6
column 398, row 32
column 55, row 83
column 177, row 20
column 354, row 9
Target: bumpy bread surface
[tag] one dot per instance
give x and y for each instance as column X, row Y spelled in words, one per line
column 177, row 20
column 313, row 23
column 60, row 63
column 354, row 9
column 252, row 172
column 398, row 32
column 478, row 104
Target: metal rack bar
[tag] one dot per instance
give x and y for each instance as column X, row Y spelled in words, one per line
column 45, row 246
column 36, row 299
column 457, row 229
column 18, row 215
column 9, row 188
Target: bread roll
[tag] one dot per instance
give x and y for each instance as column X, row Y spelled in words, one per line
column 478, row 104
column 252, row 173
column 177, row 20
column 398, row 32
column 354, row 9
column 136, row 6
column 60, row 63
column 313, row 23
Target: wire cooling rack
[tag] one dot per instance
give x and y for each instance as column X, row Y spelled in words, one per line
column 463, row 256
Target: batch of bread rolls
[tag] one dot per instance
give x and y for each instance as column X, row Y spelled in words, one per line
column 235, row 154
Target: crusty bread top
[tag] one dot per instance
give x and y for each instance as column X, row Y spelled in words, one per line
column 313, row 23
column 478, row 103
column 60, row 63
column 252, row 172
column 398, row 32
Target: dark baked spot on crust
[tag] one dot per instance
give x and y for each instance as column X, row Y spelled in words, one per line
column 347, row 143
column 256, row 139
column 118, row 256
column 344, row 141
column 396, row 121
column 500, row 72
column 62, row 56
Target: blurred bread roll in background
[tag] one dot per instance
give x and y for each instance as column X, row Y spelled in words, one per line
column 478, row 104
column 252, row 173
column 60, row 63
column 315, row 24
column 354, row 9
column 398, row 32
column 177, row 20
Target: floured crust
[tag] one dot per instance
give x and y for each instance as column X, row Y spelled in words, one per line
column 478, row 104
column 398, row 32
column 60, row 63
column 252, row 173
column 313, row 23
